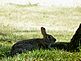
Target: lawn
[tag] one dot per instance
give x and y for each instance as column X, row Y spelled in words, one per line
column 19, row 22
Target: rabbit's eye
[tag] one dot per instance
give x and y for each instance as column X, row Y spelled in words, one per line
column 48, row 37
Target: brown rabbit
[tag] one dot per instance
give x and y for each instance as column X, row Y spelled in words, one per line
column 32, row 44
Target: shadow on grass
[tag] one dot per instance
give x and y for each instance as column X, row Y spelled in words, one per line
column 73, row 45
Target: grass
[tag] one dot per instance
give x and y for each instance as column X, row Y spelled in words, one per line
column 23, row 22
column 38, row 55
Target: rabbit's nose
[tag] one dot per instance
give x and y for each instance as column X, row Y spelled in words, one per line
column 54, row 40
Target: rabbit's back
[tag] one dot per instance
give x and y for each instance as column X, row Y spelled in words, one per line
column 25, row 45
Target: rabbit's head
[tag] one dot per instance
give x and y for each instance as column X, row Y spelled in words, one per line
column 49, row 39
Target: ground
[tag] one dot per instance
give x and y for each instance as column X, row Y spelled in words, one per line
column 19, row 22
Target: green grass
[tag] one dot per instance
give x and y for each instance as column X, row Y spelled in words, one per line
column 46, row 55
column 23, row 22
column 38, row 55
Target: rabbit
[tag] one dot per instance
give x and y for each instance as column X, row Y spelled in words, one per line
column 31, row 44
column 73, row 45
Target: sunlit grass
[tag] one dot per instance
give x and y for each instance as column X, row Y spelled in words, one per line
column 32, row 18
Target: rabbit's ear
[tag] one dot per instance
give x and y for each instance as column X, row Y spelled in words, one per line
column 43, row 31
